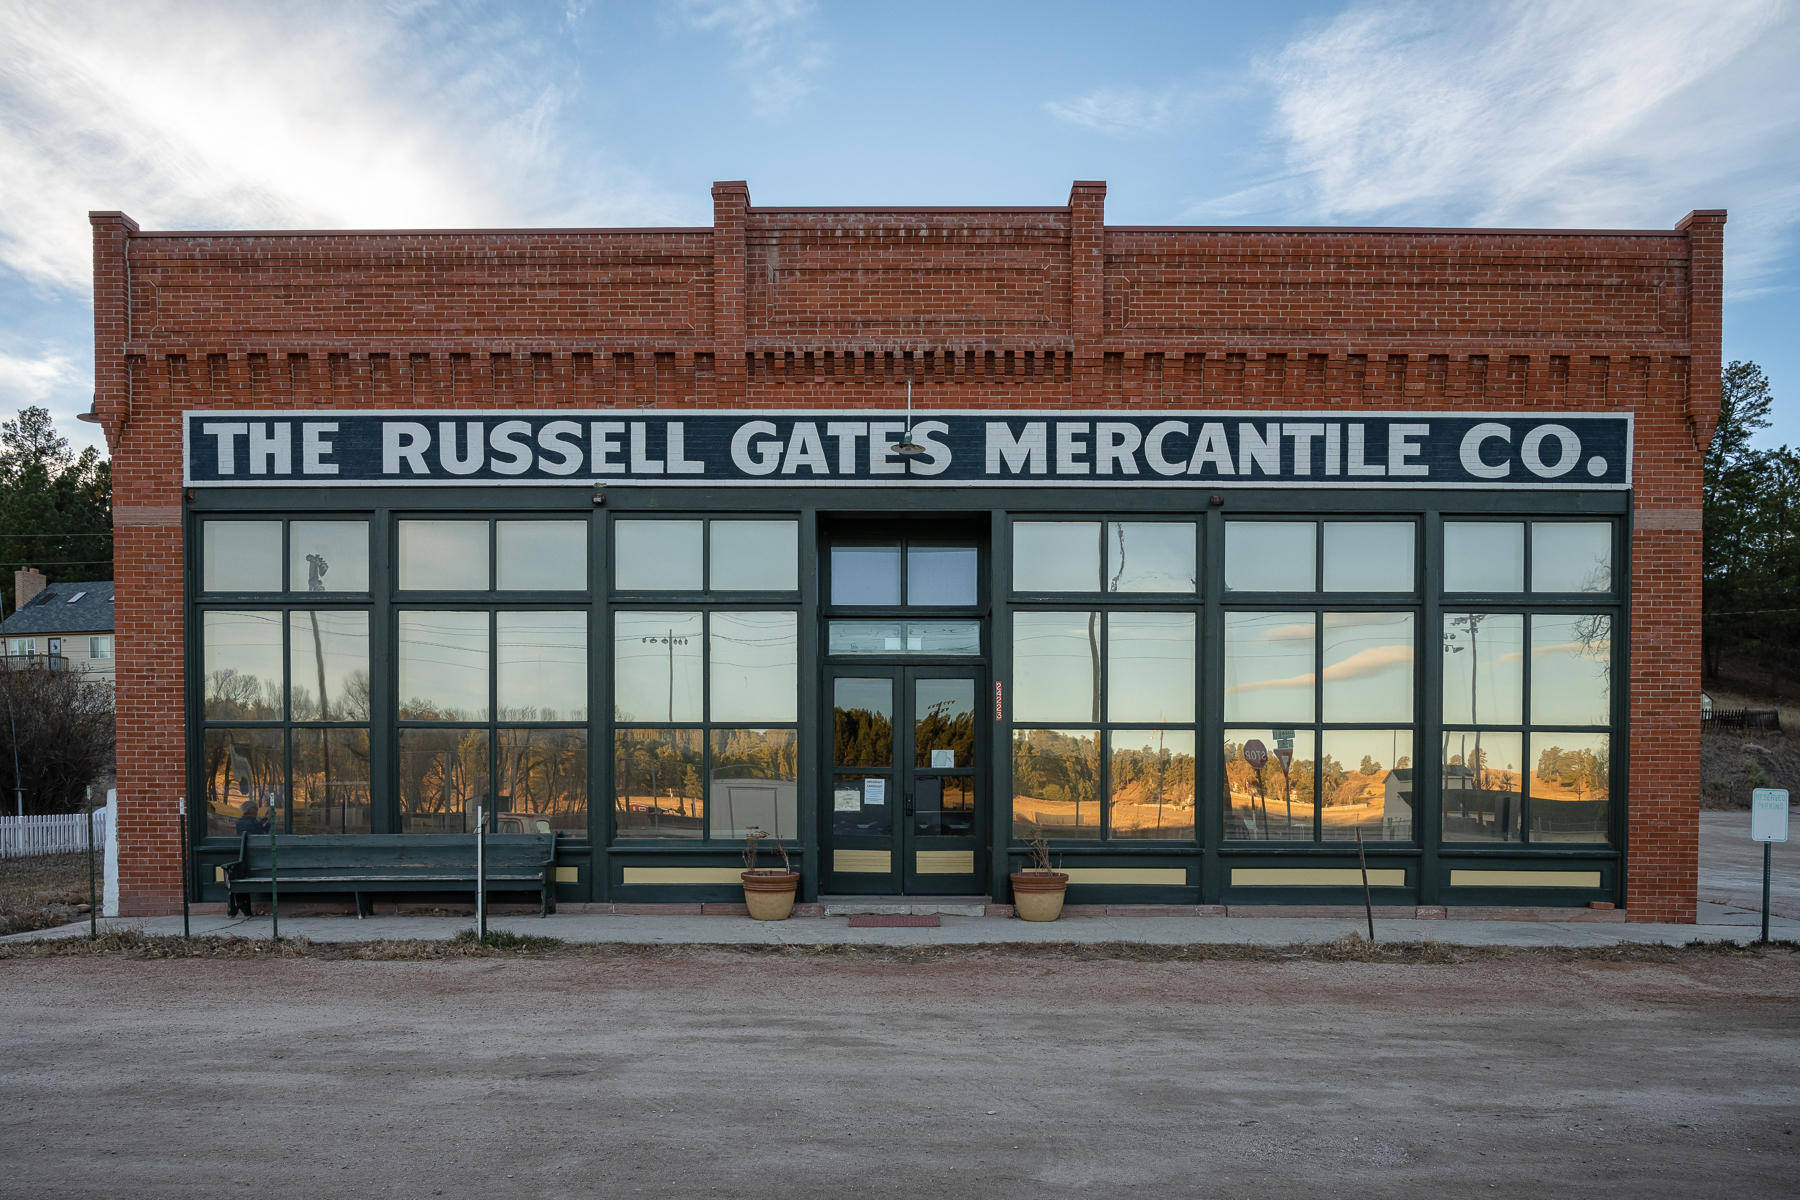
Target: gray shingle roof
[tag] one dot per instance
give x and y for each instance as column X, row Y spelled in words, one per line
column 50, row 611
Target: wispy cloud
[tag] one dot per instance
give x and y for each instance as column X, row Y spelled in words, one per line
column 34, row 379
column 329, row 114
column 775, row 48
column 1361, row 665
column 1129, row 110
column 1562, row 114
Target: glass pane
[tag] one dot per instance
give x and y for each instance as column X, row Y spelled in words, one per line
column 1056, row 783
column 543, row 781
column 443, row 777
column 755, row 556
column 909, row 637
column 240, row 556
column 1056, row 556
column 1570, row 786
column 443, row 666
column 541, row 556
column 658, row 672
column 331, row 781
column 1571, row 669
column 943, row 637
column 752, row 783
column 1269, row 666
column 656, row 779
column 1056, row 666
column 754, row 657
column 940, row 575
column 1369, row 556
column 1571, row 556
column 658, row 556
column 862, row 722
column 443, row 556
column 1366, row 783
column 328, row 665
column 542, row 664
column 1484, row 668
column 862, row 805
column 242, row 654
column 1273, row 802
column 1152, row 783
column 1484, row 556
column 944, row 806
column 1369, row 666
column 1151, row 556
column 866, row 637
column 1479, row 787
column 1150, row 667
column 943, row 723
column 865, row 575
column 245, row 779
column 1270, row 556
column 328, row 556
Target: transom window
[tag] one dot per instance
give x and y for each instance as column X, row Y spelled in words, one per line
column 1085, row 557
column 1320, row 556
column 1566, row 557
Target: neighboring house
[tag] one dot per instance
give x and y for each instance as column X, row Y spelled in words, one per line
column 65, row 627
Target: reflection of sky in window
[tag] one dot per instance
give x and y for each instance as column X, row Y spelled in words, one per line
column 1270, row 556
column 1269, row 666
column 541, row 661
column 1570, row 667
column 657, row 556
column 1483, row 672
column 1150, row 665
column 755, row 555
column 342, row 548
column 444, row 665
column 541, row 556
column 657, row 673
column 1571, row 556
column 753, row 666
column 1369, row 666
column 443, row 556
column 242, row 656
column 1385, row 748
column 1484, row 556
column 1056, row 556
column 241, row 556
column 1368, row 556
column 1150, row 556
column 1053, row 666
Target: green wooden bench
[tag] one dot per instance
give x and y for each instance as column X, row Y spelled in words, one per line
column 366, row 865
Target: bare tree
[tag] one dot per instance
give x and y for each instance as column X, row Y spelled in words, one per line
column 61, row 731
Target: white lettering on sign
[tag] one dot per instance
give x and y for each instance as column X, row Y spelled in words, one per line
column 314, row 448
column 225, row 435
column 1472, row 460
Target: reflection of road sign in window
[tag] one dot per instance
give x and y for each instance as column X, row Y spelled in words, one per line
column 1286, row 743
column 1256, row 754
column 1283, row 735
column 1286, row 755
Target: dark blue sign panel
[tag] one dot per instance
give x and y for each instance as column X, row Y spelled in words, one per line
column 964, row 449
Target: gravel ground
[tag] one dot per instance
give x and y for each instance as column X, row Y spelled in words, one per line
column 998, row 1075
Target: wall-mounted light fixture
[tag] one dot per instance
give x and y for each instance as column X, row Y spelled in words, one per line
column 906, row 446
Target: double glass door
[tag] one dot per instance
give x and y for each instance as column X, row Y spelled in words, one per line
column 906, row 806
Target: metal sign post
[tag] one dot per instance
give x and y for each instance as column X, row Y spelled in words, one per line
column 1768, row 825
column 93, row 919
column 181, row 808
column 481, row 874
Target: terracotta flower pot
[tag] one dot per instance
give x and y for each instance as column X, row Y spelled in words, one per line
column 1038, row 895
column 770, row 894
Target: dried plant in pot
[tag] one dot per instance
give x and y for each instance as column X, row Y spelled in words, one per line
column 768, row 891
column 1038, row 889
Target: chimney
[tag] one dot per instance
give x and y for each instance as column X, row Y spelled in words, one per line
column 26, row 585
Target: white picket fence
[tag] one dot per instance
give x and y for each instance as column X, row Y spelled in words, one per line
column 59, row 833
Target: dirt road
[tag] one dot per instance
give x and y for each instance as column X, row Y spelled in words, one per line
column 986, row 1075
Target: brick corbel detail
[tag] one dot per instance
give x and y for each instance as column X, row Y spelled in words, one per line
column 1705, row 229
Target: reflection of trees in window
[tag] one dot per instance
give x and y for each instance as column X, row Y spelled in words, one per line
column 862, row 737
column 1056, row 782
column 657, row 777
column 1153, row 785
column 946, row 725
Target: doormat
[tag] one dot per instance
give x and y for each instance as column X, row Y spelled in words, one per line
column 894, row 921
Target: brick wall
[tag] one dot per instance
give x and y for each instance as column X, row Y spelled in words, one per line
column 1029, row 307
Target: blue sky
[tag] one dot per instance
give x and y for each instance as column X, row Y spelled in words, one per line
column 461, row 112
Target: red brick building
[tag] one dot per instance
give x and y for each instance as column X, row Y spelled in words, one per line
column 1200, row 552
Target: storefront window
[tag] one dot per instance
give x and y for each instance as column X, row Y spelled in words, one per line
column 1271, row 556
column 541, row 556
column 328, row 556
column 1056, row 556
column 1152, row 556
column 1484, row 556
column 1369, row 556
column 240, row 556
column 1571, row 556
column 754, row 556
column 443, row 556
column 659, row 556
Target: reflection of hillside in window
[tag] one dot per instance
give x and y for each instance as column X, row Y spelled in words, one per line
column 1152, row 783
column 1056, row 783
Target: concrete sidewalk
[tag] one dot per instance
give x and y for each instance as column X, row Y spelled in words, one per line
column 1718, row 923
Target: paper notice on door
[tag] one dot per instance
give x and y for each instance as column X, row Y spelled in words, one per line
column 874, row 791
column 943, row 758
column 846, row 800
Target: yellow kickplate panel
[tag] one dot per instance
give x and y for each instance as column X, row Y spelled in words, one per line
column 862, row 862
column 218, row 874
column 1143, row 876
column 568, row 874
column 1568, row 879
column 945, row 862
column 1315, row 877
column 683, row 875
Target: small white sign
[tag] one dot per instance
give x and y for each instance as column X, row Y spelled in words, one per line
column 846, row 800
column 874, row 791
column 1769, row 815
column 943, row 758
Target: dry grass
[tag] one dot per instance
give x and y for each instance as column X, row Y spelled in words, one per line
column 1352, row 948
column 42, row 891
